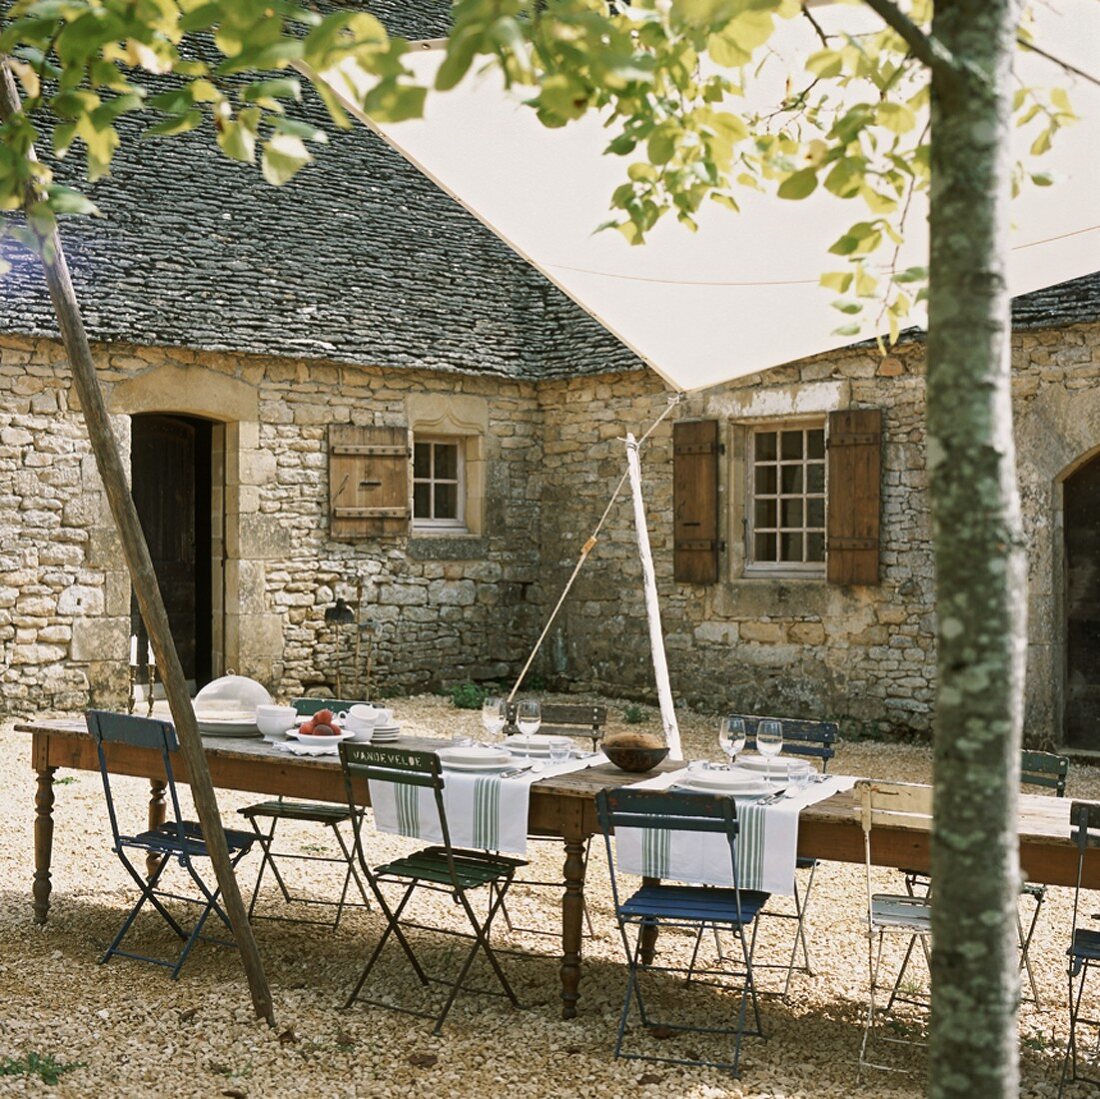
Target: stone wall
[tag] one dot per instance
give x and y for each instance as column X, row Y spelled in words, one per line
column 443, row 608
column 863, row 655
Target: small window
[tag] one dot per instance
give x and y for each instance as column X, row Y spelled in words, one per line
column 786, row 498
column 438, row 484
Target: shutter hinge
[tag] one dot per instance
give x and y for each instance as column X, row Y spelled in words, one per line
column 837, row 544
column 852, row 438
column 366, row 450
column 369, row 513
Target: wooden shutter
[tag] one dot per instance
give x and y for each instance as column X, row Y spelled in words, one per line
column 368, row 481
column 854, row 441
column 695, row 501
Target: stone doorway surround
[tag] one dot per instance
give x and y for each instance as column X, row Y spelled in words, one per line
column 246, row 638
column 1057, row 433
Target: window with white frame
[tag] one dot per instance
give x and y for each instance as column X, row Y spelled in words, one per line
column 786, row 498
column 439, row 490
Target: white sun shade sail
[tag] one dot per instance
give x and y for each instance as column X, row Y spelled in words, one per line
column 742, row 294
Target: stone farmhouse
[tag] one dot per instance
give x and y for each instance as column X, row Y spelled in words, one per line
column 348, row 389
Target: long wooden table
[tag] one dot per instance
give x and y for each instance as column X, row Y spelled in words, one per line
column 562, row 807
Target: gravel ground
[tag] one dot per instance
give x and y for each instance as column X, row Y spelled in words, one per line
column 127, row 1029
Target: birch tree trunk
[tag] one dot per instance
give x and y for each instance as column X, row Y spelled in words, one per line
column 980, row 563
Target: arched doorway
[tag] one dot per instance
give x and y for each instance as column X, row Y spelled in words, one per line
column 1081, row 519
column 172, row 485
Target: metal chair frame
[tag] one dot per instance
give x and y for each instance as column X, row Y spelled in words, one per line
column 332, row 816
column 1048, row 771
column 177, row 839
column 887, row 913
column 439, row 868
column 814, row 740
column 1084, row 947
column 656, row 906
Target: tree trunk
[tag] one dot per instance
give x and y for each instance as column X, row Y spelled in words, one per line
column 136, row 553
column 981, row 578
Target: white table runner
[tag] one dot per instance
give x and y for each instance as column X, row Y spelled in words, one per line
column 767, row 842
column 484, row 811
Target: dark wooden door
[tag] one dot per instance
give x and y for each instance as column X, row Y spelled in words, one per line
column 1082, row 534
column 168, row 454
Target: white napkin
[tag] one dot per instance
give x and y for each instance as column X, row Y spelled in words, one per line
column 484, row 811
column 300, row 748
column 767, row 842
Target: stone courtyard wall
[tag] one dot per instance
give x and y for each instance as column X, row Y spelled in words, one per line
column 443, row 609
column 864, row 655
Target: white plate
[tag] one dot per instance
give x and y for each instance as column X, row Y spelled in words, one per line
column 539, row 744
column 219, row 727
column 726, row 782
column 477, row 754
column 779, row 767
column 309, row 738
column 483, row 768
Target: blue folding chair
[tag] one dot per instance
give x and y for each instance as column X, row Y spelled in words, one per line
column 176, row 839
column 695, row 907
column 1084, row 945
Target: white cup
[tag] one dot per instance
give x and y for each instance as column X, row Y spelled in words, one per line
column 363, row 714
column 385, row 716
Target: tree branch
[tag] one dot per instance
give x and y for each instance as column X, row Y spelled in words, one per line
column 925, row 47
column 1023, row 43
column 816, row 26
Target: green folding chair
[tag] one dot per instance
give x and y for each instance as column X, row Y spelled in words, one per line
column 439, row 868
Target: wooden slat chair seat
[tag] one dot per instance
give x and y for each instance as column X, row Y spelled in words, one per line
column 559, row 719
column 816, row 741
column 305, row 812
column 1084, row 945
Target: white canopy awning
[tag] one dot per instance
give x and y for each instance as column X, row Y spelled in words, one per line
column 742, row 294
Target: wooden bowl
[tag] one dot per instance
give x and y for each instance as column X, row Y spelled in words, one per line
column 634, row 759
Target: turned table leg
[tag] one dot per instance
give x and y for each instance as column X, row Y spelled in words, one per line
column 572, row 924
column 156, row 819
column 43, row 843
column 649, row 932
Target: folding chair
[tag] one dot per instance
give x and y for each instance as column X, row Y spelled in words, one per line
column 1084, row 943
column 655, row 906
column 1037, row 769
column 332, row 816
column 814, row 740
column 895, row 803
column 176, row 839
column 440, row 868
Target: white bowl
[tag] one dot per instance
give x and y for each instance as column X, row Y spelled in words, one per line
column 272, row 720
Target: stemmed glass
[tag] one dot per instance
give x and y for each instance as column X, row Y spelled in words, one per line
column 731, row 737
column 493, row 718
column 528, row 719
column 769, row 741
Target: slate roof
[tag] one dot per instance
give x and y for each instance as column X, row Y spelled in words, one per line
column 358, row 259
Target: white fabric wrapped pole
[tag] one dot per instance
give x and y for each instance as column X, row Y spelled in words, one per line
column 653, row 609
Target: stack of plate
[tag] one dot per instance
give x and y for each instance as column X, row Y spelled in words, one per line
column 538, row 744
column 778, row 768
column 384, row 734
column 232, row 723
column 736, row 782
column 475, row 757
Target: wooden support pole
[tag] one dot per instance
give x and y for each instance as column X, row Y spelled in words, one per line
column 652, row 605
column 143, row 578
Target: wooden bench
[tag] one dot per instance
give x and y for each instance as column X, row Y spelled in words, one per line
column 801, row 737
column 565, row 719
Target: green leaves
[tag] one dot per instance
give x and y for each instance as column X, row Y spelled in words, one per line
column 283, row 156
column 799, row 184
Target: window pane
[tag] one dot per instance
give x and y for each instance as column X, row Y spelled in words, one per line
column 792, row 444
column 422, row 501
column 765, row 480
column 791, row 477
column 446, row 461
column 790, row 547
column 815, row 443
column 765, row 547
column 815, row 512
column 446, row 502
column 764, row 514
column 792, row 513
column 422, row 460
column 815, row 477
column 765, row 446
column 815, row 547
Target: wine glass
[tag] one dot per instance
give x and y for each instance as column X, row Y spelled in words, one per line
column 528, row 719
column 731, row 737
column 493, row 718
column 769, row 741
